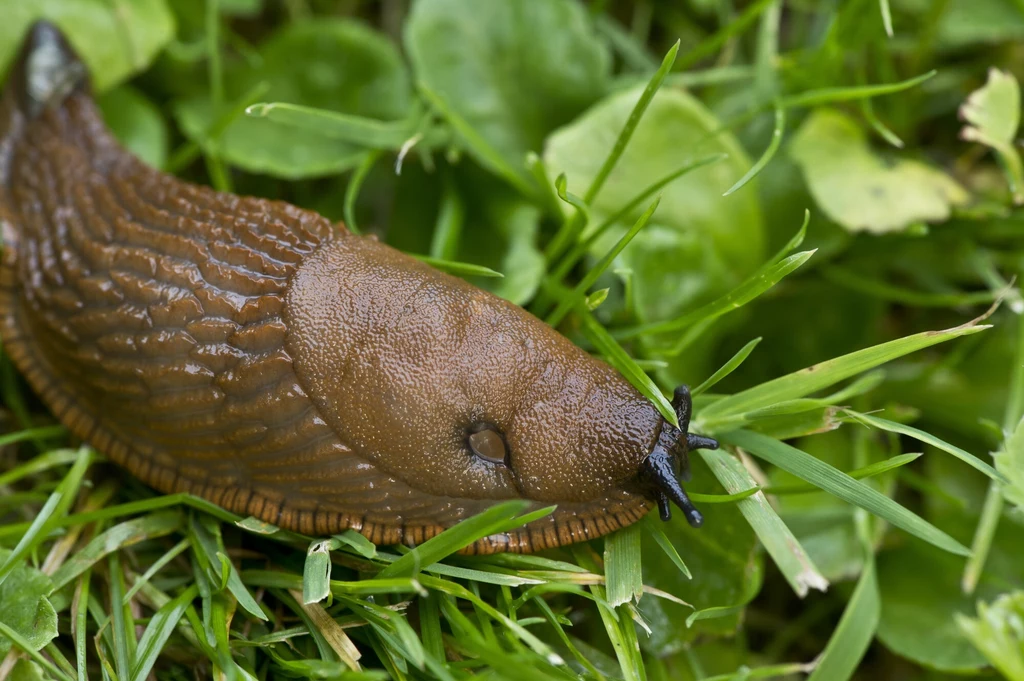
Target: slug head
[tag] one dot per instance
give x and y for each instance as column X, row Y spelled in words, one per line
column 464, row 397
column 46, row 70
column 669, row 461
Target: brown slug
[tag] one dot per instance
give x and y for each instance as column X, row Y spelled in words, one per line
column 253, row 354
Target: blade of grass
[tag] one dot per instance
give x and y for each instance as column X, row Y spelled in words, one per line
column 629, row 662
column 129, row 532
column 619, row 359
column 769, row 153
column 140, row 582
column 571, row 225
column 572, row 298
column 159, row 630
column 883, row 6
column 928, row 438
column 581, row 248
column 331, row 632
column 80, row 630
column 207, row 542
column 875, row 287
column 857, row 474
column 856, row 629
column 455, row 538
column 316, row 571
column 824, row 374
column 355, row 184
column 780, row 543
column 539, row 172
column 745, row 493
column 623, row 572
column 120, row 628
column 992, row 510
column 665, row 544
column 841, row 485
column 631, row 123
column 734, row 362
column 845, row 94
column 28, row 540
column 709, row 45
column 360, row 130
column 462, row 269
column 487, row 155
column 444, row 244
column 735, row 299
column 38, row 464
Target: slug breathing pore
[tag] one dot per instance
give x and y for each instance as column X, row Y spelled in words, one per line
column 251, row 353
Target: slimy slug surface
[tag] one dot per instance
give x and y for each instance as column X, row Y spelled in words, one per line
column 253, row 354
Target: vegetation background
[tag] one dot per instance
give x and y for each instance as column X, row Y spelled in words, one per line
column 716, row 192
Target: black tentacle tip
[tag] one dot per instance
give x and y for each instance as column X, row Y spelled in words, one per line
column 47, row 69
column 661, row 468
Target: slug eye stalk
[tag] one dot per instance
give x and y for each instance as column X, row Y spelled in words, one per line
column 669, row 461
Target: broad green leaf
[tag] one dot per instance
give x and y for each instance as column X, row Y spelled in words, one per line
column 316, row 572
column 967, row 22
column 26, row 608
column 1010, row 462
column 502, row 235
column 998, row 633
column 115, row 41
column 861, row 191
column 993, row 114
column 513, row 70
column 334, row 64
column 699, row 243
column 137, row 123
column 920, row 604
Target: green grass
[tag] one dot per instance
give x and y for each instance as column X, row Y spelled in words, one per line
column 625, row 170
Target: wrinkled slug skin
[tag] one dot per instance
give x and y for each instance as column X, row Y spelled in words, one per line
column 251, row 353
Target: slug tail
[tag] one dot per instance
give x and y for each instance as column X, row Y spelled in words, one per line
column 46, row 72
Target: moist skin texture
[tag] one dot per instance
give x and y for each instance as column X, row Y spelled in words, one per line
column 253, row 354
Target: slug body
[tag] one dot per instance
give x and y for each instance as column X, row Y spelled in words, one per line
column 253, row 354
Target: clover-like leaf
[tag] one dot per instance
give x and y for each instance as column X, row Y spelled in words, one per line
column 1009, row 461
column 25, row 607
column 993, row 114
column 862, row 191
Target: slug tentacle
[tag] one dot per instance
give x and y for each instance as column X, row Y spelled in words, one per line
column 249, row 352
column 47, row 70
column 669, row 461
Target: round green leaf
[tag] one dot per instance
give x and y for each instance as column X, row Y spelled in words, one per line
column 698, row 245
column 115, row 40
column 861, row 191
column 137, row 123
column 26, row 609
column 332, row 64
column 513, row 69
